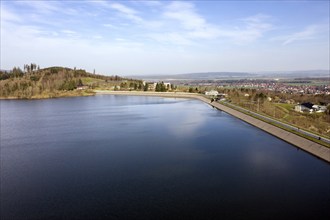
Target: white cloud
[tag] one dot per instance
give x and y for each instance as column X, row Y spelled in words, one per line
column 109, row 25
column 180, row 25
column 252, row 29
column 151, row 3
column 127, row 12
column 68, row 32
column 42, row 7
column 195, row 25
column 7, row 15
column 171, row 38
column 309, row 32
column 184, row 12
column 97, row 36
column 120, row 39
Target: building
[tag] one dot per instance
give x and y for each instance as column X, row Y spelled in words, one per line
column 82, row 87
column 319, row 108
column 304, row 107
column 212, row 93
column 152, row 86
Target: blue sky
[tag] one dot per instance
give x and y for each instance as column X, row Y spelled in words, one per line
column 166, row 37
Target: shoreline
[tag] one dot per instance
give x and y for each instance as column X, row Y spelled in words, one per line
column 311, row 147
column 66, row 94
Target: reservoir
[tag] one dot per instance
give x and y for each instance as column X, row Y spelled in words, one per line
column 130, row 157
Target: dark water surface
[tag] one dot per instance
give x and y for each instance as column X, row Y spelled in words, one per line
column 121, row 157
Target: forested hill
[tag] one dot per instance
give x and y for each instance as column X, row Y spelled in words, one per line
column 34, row 82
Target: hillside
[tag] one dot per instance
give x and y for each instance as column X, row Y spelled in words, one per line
column 34, row 83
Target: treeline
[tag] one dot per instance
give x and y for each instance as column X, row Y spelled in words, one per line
column 130, row 85
column 161, row 87
column 47, row 82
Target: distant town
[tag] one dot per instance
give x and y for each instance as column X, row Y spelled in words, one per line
column 315, row 86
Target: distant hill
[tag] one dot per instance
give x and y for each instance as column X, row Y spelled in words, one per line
column 197, row 76
column 56, row 82
column 236, row 75
column 296, row 74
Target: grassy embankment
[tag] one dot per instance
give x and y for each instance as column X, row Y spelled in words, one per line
column 281, row 126
column 280, row 106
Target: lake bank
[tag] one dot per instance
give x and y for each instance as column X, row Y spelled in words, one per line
column 62, row 94
column 311, row 147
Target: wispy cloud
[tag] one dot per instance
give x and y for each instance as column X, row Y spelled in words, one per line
column 179, row 24
column 122, row 10
column 309, row 32
column 171, row 38
column 109, row 25
column 184, row 12
column 8, row 16
column 251, row 29
column 70, row 33
column 43, row 7
column 151, row 3
column 194, row 26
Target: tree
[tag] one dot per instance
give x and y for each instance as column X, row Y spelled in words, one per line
column 157, row 89
column 17, row 72
column 145, row 88
column 80, row 83
column 160, row 87
column 68, row 85
column 123, row 85
column 328, row 110
column 4, row 75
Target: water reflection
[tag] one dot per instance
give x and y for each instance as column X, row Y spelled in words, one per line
column 187, row 124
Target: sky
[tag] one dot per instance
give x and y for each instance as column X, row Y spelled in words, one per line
column 166, row 37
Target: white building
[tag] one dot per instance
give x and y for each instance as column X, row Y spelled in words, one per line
column 212, row 93
column 168, row 86
column 152, row 86
column 319, row 108
column 304, row 107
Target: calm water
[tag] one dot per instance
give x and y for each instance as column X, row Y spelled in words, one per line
column 121, row 157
